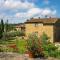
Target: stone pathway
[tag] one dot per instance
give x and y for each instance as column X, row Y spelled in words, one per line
column 15, row 56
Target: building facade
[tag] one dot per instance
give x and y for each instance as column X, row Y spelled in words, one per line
column 49, row 26
column 20, row 27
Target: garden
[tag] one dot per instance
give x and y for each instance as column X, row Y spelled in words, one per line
column 34, row 46
column 40, row 47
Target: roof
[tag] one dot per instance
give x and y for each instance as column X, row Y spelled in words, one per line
column 43, row 20
column 19, row 25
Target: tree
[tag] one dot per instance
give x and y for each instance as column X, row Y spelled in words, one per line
column 1, row 28
column 6, row 26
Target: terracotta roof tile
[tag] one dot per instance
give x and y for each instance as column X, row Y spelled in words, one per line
column 43, row 20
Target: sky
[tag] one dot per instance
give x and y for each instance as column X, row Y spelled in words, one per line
column 18, row 11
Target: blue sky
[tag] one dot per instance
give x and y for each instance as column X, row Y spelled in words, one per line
column 17, row 11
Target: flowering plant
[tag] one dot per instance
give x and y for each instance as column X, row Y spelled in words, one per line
column 34, row 45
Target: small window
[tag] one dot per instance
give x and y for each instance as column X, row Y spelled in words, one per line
column 36, row 25
column 40, row 24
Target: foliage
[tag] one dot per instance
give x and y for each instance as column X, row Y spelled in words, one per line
column 21, row 46
column 7, row 46
column 41, row 46
column 2, row 25
column 34, row 46
column 15, row 33
column 49, row 48
column 1, row 34
column 4, row 48
column 16, row 45
column 8, row 27
column 44, row 38
column 4, row 28
column 12, row 35
column 1, row 28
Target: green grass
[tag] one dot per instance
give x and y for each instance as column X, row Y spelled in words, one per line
column 21, row 45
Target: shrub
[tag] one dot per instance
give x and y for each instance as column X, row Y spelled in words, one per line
column 20, row 44
column 41, row 47
column 11, row 35
column 34, row 46
column 15, row 33
column 5, row 48
column 44, row 38
column 49, row 48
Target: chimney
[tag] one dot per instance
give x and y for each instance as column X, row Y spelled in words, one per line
column 39, row 17
column 46, row 16
column 27, row 20
column 32, row 18
column 50, row 17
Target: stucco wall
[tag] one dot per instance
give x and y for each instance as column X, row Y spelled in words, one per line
column 48, row 29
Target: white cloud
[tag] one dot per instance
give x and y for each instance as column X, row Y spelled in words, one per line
column 31, row 10
column 35, row 12
column 48, row 12
column 11, row 4
column 21, row 15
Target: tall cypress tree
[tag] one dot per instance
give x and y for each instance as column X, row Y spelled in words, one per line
column 1, row 28
column 6, row 26
column 0, row 31
column 2, row 25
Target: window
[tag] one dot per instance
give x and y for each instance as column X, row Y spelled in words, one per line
column 36, row 25
column 40, row 24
